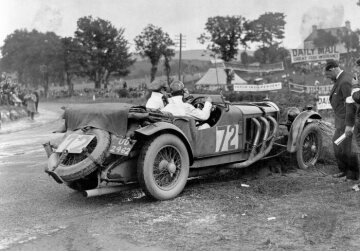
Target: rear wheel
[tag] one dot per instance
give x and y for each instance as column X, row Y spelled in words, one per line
column 77, row 166
column 310, row 146
column 163, row 167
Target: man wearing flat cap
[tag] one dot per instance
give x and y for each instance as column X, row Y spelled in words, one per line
column 347, row 160
column 157, row 99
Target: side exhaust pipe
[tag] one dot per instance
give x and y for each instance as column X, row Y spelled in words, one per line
column 261, row 154
column 108, row 190
column 257, row 137
column 266, row 134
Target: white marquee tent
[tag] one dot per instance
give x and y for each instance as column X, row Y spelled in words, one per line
column 216, row 78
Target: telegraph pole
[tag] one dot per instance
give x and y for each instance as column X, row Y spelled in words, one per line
column 179, row 42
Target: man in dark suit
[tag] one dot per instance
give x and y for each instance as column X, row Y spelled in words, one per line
column 347, row 160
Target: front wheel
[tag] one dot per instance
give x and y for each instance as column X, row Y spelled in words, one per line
column 310, row 146
column 163, row 167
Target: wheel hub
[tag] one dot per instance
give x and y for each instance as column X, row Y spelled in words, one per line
column 170, row 166
column 163, row 164
column 313, row 148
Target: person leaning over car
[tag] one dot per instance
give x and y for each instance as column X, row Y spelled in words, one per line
column 157, row 99
column 347, row 160
column 178, row 107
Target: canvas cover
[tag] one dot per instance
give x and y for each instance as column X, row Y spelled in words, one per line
column 111, row 117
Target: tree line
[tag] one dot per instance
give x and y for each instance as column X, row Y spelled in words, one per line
column 99, row 50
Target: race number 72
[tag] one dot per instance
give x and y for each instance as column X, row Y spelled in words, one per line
column 227, row 138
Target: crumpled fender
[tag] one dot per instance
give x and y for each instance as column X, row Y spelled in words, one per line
column 164, row 126
column 297, row 127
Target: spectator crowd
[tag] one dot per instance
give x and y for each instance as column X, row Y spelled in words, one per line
column 15, row 94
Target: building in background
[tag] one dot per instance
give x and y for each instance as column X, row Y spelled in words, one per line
column 336, row 32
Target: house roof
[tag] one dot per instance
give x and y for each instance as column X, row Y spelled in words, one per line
column 218, row 77
column 333, row 31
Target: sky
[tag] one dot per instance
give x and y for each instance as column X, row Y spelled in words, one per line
column 187, row 17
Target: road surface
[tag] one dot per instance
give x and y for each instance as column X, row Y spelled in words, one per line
column 36, row 213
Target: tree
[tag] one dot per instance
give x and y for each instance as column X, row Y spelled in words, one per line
column 271, row 54
column 224, row 33
column 325, row 39
column 50, row 58
column 268, row 29
column 168, row 54
column 350, row 40
column 71, row 59
column 244, row 58
column 104, row 50
column 154, row 43
column 34, row 56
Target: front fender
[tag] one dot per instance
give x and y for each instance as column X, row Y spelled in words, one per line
column 297, row 127
column 167, row 127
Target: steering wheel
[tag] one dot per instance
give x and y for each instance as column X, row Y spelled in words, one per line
column 198, row 102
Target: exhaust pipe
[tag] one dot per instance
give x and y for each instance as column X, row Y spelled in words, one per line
column 108, row 190
column 257, row 136
column 261, row 154
column 266, row 134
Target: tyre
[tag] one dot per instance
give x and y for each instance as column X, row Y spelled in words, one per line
column 78, row 166
column 310, row 146
column 86, row 183
column 163, row 167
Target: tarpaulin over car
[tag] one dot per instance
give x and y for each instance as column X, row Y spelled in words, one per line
column 111, row 117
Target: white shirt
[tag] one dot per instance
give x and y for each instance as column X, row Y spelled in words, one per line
column 177, row 107
column 155, row 101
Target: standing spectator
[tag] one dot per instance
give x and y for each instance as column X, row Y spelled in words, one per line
column 30, row 99
column 347, row 161
column 354, row 116
column 37, row 100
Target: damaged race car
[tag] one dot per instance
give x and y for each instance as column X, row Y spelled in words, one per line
column 108, row 148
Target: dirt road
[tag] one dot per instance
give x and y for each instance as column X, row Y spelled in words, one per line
column 253, row 209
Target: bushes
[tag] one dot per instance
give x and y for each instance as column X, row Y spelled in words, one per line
column 123, row 93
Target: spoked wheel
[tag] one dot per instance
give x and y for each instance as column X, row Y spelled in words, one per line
column 310, row 146
column 77, row 166
column 163, row 167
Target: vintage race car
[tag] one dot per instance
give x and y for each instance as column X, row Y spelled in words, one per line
column 107, row 148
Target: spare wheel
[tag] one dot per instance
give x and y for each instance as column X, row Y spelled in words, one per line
column 77, row 166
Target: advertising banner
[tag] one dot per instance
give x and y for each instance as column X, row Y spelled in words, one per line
column 323, row 103
column 316, row 54
column 258, row 88
column 311, row 89
column 252, row 68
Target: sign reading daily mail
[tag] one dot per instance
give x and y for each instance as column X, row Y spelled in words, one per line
column 316, row 54
column 323, row 103
column 258, row 88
